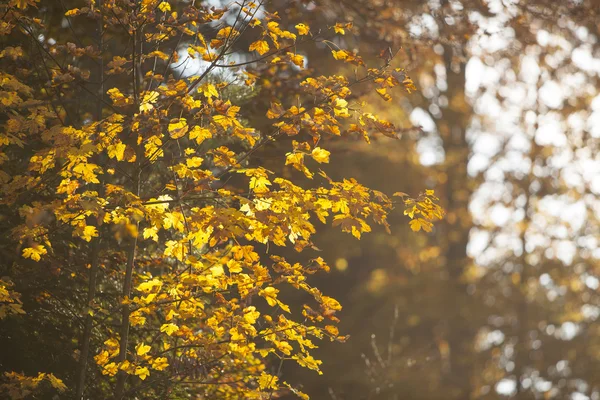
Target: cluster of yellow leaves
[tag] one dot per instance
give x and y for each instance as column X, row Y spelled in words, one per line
column 272, row 33
column 422, row 210
column 198, row 268
column 19, row 386
column 10, row 301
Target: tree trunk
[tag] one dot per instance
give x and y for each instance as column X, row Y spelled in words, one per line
column 455, row 230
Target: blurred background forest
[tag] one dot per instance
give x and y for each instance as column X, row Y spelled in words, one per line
column 502, row 299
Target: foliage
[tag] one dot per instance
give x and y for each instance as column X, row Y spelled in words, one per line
column 134, row 248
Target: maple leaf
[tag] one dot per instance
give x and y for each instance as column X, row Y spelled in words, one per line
column 89, row 232
column 160, row 363
column 164, row 6
column 339, row 54
column 35, row 252
column 178, row 127
column 208, row 90
column 259, row 184
column 200, row 134
column 320, row 155
column 142, row 372
column 303, row 29
column 270, row 294
column 110, row 369
column 419, row 223
column 116, row 150
column 56, row 383
column 267, row 381
column 169, row 329
column 260, row 46
column 339, row 28
column 297, row 59
column 150, row 97
column 151, row 232
column 149, row 285
column 142, row 349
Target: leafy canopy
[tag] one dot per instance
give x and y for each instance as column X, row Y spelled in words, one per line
column 115, row 176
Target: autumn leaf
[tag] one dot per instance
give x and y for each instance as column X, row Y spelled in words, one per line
column 259, row 184
column 200, row 134
column 303, row 29
column 267, row 381
column 320, row 155
column 259, row 46
column 34, row 252
column 339, row 54
column 270, row 294
column 340, row 28
column 169, row 329
column 117, row 151
column 149, row 98
column 208, row 90
column 164, row 6
column 89, row 232
column 419, row 223
column 160, row 363
column 142, row 349
column 142, row 372
column 178, row 127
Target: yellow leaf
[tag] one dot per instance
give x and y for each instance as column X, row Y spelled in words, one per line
column 35, row 252
column 339, row 28
column 89, row 232
column 320, row 155
column 146, row 287
column 142, row 372
column 159, row 54
column 200, row 134
column 149, row 97
column 297, row 59
column 151, row 232
column 178, row 127
column 339, row 54
column 87, row 171
column 341, row 108
column 415, row 225
column 260, row 46
column 332, row 330
column 223, row 120
column 270, row 294
column 117, row 151
column 110, row 369
column 208, row 90
column 251, row 315
column 160, row 363
column 142, row 349
column 267, row 381
column 303, row 29
column 170, row 315
column 101, row 358
column 164, row 6
column 419, row 223
column 169, row 329
column 383, row 93
column 259, row 184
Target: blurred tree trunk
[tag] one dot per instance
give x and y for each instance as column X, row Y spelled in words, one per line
column 454, row 235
